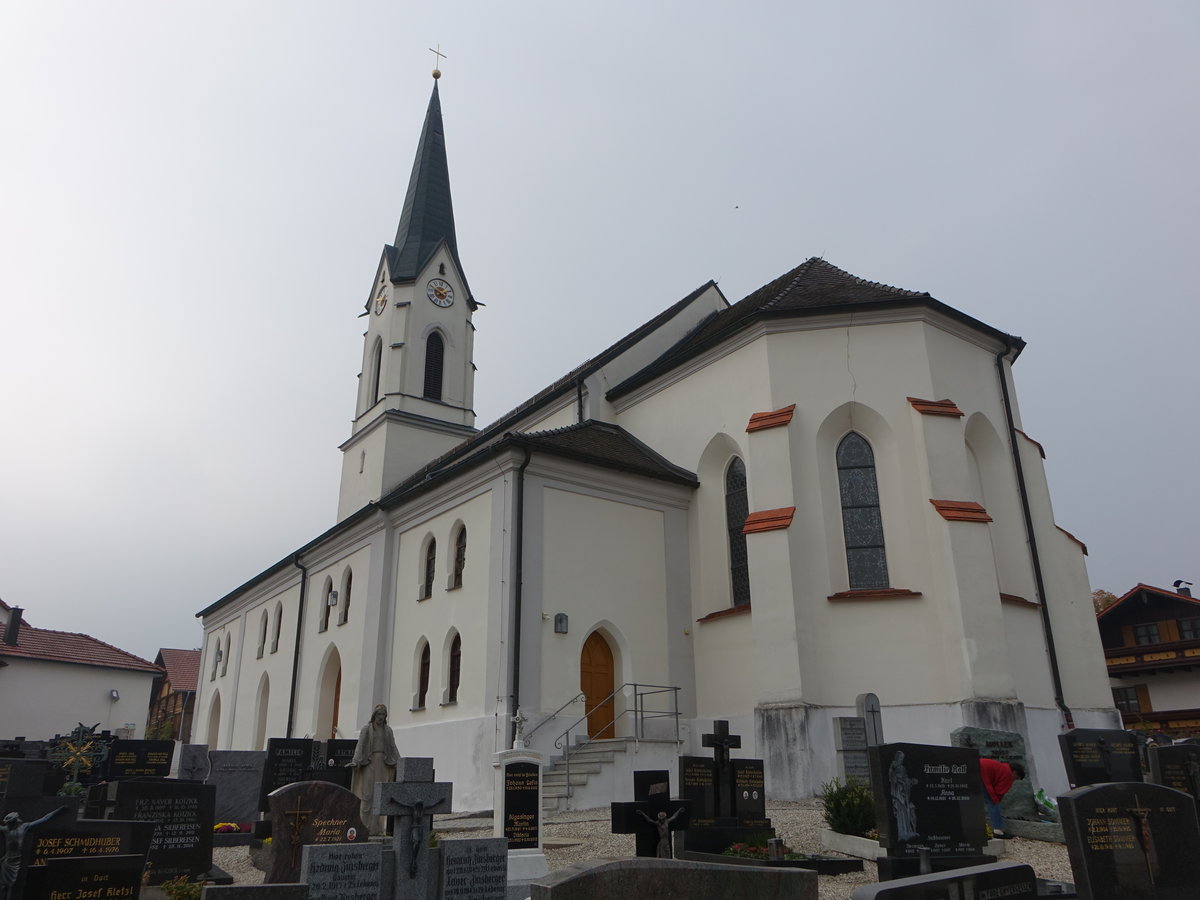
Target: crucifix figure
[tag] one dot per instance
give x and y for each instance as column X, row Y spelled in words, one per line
column 1141, row 817
column 651, row 805
column 412, row 803
column 297, row 818
column 722, row 742
column 663, row 824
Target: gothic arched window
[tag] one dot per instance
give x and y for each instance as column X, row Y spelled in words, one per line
column 344, row 610
column 737, row 508
column 376, row 372
column 455, row 667
column 423, row 677
column 460, row 557
column 435, row 353
column 430, row 569
column 866, row 561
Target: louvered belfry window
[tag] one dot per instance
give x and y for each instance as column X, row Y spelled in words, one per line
column 737, row 508
column 862, row 525
column 435, row 353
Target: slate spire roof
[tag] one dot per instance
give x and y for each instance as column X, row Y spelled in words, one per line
column 427, row 218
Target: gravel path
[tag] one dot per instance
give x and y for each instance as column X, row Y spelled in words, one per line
column 572, row 837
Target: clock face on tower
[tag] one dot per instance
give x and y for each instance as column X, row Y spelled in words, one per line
column 381, row 301
column 440, row 293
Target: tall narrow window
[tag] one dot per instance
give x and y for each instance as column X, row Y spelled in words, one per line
column 328, row 598
column 375, row 373
column 862, row 526
column 430, row 569
column 344, row 611
column 737, row 508
column 278, row 626
column 460, row 557
column 262, row 634
column 455, row 664
column 434, row 354
column 423, row 678
column 225, row 656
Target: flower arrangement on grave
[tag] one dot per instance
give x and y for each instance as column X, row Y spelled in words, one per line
column 227, row 828
column 757, row 850
column 849, row 808
column 180, row 888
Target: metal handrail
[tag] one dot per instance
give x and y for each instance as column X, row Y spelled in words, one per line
column 579, row 696
column 640, row 692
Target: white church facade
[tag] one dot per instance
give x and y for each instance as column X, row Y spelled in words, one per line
column 752, row 511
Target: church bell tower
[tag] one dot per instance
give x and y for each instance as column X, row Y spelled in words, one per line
column 416, row 387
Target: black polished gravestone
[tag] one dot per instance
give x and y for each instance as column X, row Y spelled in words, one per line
column 1177, row 766
column 139, row 759
column 21, row 778
column 1132, row 841
column 107, row 878
column 288, row 760
column 727, row 796
column 182, row 813
column 651, row 796
column 928, row 797
column 1010, row 881
column 1099, row 755
column 522, row 805
column 90, row 839
column 330, row 762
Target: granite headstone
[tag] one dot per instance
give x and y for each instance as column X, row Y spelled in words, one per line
column 310, row 812
column 287, row 761
column 474, row 869
column 343, row 871
column 237, row 775
column 1006, row 747
column 182, row 813
column 1177, row 766
column 140, row 759
column 1099, row 755
column 1010, row 881
column 850, row 742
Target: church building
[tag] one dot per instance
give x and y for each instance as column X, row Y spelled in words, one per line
column 753, row 511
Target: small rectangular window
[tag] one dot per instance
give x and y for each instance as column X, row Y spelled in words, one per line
column 1126, row 699
column 1146, row 634
column 1189, row 629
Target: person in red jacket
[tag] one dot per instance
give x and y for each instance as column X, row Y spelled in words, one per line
column 998, row 778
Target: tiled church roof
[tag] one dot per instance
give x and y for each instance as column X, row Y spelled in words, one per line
column 604, row 445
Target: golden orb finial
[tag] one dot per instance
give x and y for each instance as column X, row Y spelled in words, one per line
column 438, row 56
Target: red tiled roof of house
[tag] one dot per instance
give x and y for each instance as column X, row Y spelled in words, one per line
column 183, row 667
column 68, row 647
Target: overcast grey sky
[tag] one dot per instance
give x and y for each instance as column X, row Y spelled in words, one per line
column 193, row 198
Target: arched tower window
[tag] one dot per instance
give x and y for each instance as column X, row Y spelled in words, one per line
column 278, row 626
column 435, row 352
column 225, row 656
column 376, row 372
column 430, row 569
column 262, row 634
column 737, row 508
column 423, row 677
column 460, row 557
column 328, row 599
column 862, row 525
column 347, row 585
column 455, row 668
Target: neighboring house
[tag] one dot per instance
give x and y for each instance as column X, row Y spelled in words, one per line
column 174, row 697
column 1151, row 639
column 752, row 511
column 51, row 681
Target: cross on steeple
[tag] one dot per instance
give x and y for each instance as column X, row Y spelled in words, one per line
column 438, row 56
column 721, row 741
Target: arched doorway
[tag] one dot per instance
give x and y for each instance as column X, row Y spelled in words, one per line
column 214, row 722
column 596, row 683
column 329, row 691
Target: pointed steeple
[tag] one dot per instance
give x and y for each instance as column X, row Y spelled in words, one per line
column 428, row 215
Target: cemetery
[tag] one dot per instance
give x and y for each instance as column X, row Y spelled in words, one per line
column 89, row 815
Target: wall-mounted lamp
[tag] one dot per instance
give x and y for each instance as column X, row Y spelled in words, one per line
column 560, row 623
column 332, row 600
column 115, row 695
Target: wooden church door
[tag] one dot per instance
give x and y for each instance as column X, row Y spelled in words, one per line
column 596, row 683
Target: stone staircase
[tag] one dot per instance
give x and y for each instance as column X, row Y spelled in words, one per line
column 587, row 759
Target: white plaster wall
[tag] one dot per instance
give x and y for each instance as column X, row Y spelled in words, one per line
column 724, row 646
column 1028, row 661
column 42, row 698
column 466, row 610
column 604, row 566
column 462, row 754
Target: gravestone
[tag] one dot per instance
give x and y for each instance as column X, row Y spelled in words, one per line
column 646, row 879
column 310, row 812
column 517, row 799
column 928, row 797
column 727, row 797
column 140, row 759
column 329, row 762
column 237, row 775
column 413, row 802
column 104, row 878
column 651, row 796
column 1132, row 841
column 182, row 813
column 1010, row 881
column 255, row 892
column 1098, row 755
column 287, row 761
column 90, row 839
column 21, row 778
column 193, row 763
column 474, row 869
column 343, row 871
column 867, row 708
column 1006, row 747
column 1177, row 766
column 850, row 742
